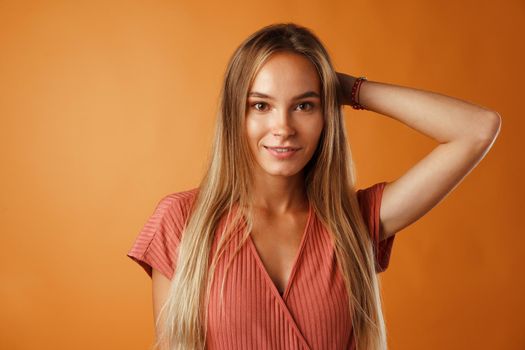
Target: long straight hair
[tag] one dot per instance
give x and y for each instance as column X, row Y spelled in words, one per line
column 330, row 187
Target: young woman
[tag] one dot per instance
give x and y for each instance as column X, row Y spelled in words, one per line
column 276, row 249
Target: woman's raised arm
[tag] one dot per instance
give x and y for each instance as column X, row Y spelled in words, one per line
column 465, row 132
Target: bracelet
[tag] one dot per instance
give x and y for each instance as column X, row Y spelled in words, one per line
column 355, row 93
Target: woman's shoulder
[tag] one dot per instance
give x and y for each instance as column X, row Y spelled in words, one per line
column 370, row 195
column 187, row 195
column 176, row 205
column 180, row 199
column 160, row 236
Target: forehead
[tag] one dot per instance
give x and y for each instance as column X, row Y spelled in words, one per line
column 286, row 75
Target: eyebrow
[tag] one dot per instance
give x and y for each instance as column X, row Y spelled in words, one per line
column 303, row 95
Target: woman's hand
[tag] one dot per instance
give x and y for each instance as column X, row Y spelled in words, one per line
column 345, row 83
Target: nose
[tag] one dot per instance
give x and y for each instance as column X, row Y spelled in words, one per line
column 282, row 124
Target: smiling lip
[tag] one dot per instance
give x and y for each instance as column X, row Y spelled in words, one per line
column 282, row 155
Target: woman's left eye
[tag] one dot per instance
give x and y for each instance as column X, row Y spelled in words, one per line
column 307, row 103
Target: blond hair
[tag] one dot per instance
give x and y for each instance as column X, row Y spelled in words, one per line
column 329, row 180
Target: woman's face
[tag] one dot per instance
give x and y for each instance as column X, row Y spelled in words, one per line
column 284, row 110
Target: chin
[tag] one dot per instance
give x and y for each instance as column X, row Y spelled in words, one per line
column 281, row 171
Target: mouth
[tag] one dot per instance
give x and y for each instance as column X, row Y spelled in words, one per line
column 282, row 152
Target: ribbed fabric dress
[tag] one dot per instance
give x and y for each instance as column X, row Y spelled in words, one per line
column 312, row 313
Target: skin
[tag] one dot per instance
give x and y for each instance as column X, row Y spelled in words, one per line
column 282, row 119
column 160, row 286
column 289, row 114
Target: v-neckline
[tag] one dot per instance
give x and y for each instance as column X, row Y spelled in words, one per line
column 267, row 277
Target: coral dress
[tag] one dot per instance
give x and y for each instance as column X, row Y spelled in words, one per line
column 312, row 313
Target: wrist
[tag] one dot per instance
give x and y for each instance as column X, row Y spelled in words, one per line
column 355, row 96
column 346, row 82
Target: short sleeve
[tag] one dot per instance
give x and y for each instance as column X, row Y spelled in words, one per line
column 370, row 203
column 156, row 245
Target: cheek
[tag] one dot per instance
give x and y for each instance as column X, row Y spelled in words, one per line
column 253, row 132
column 315, row 128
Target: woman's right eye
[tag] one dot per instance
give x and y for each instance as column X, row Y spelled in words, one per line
column 258, row 103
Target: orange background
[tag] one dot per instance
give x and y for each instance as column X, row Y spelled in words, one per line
column 106, row 106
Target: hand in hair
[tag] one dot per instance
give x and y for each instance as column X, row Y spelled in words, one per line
column 345, row 88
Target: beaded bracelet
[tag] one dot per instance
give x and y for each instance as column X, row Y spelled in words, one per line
column 355, row 93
